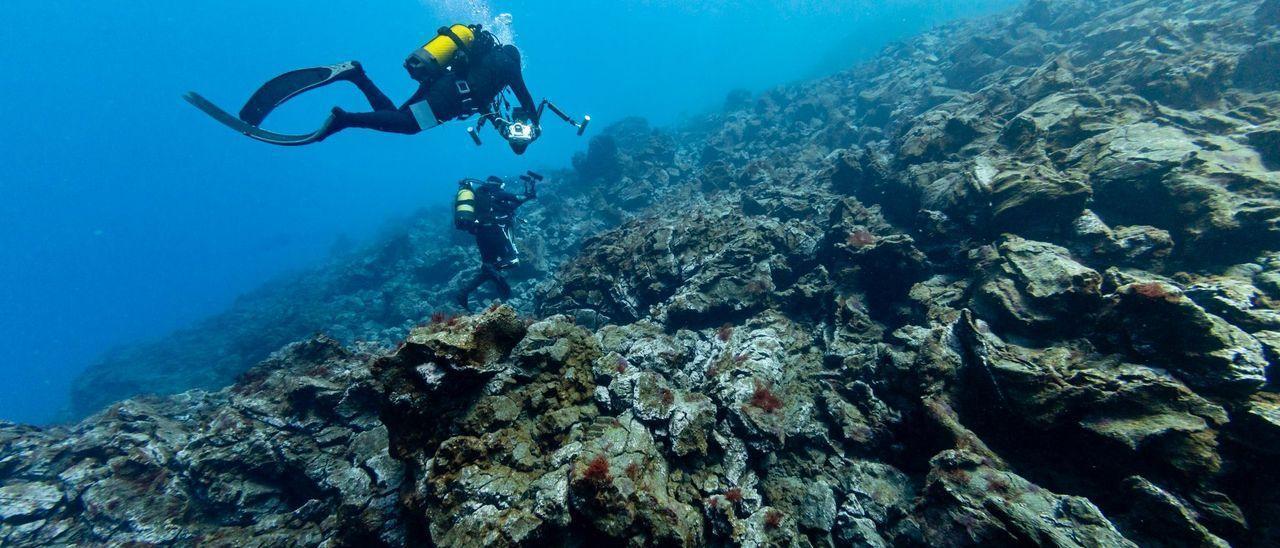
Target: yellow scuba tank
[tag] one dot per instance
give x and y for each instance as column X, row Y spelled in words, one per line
column 428, row 61
column 464, row 206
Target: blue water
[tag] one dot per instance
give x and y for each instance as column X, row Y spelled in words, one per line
column 124, row 213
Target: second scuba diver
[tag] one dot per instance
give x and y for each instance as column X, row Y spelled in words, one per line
column 488, row 210
column 462, row 72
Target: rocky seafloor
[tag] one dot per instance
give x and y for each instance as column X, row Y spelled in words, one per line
column 1015, row 282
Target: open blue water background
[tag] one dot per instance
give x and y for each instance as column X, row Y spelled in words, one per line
column 125, row 214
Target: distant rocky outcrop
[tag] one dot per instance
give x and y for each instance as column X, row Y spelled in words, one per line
column 1013, row 283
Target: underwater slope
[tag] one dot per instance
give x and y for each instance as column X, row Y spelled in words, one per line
column 1012, row 283
column 378, row 293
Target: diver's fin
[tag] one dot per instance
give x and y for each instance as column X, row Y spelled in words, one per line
column 288, row 85
column 252, row 131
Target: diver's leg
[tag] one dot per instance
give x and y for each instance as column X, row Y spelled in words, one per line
column 408, row 119
column 490, row 241
column 485, row 244
column 499, row 281
column 390, row 121
column 464, row 295
column 507, row 255
column 377, row 99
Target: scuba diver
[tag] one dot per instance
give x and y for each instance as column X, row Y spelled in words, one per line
column 488, row 210
column 463, row 71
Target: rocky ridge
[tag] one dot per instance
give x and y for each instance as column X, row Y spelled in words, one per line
column 1012, row 283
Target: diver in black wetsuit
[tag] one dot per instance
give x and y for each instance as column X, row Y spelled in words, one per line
column 461, row 72
column 495, row 213
column 467, row 86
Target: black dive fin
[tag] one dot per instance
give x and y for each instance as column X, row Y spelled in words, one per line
column 252, row 131
column 289, row 85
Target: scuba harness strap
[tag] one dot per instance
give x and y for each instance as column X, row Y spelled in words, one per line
column 466, row 55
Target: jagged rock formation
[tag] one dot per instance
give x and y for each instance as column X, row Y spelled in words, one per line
column 293, row 454
column 1042, row 242
column 1012, row 283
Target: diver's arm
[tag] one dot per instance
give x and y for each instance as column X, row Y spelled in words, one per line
column 510, row 200
column 530, row 193
column 518, row 86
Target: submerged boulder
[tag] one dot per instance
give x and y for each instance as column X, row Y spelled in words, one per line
column 1137, row 416
column 1166, row 328
column 1036, row 288
column 968, row 502
column 1145, row 247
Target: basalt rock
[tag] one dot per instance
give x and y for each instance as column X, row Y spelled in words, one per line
column 1145, row 247
column 1267, row 143
column 1140, row 416
column 1165, row 518
column 1161, row 325
column 1033, row 287
column 966, row 502
column 694, row 274
column 292, row 454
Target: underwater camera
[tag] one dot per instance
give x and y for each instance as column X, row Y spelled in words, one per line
column 521, row 132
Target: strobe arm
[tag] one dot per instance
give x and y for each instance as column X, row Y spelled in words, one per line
column 531, row 180
column 582, row 126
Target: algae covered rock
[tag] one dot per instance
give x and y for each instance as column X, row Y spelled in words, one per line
column 28, row 501
column 1145, row 247
column 1033, row 287
column 968, row 502
column 619, row 486
column 1258, row 425
column 1136, row 415
column 1165, row 517
column 1165, row 327
column 1035, row 197
column 483, row 447
column 294, row 453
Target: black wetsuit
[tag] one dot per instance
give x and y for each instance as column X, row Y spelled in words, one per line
column 454, row 94
column 495, row 213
